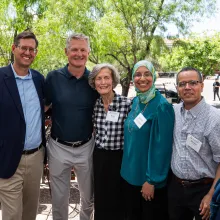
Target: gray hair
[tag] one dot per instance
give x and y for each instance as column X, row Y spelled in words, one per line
column 96, row 70
column 77, row 36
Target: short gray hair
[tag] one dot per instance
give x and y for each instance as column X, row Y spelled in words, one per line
column 77, row 36
column 96, row 70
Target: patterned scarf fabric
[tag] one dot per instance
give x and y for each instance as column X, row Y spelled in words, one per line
column 145, row 97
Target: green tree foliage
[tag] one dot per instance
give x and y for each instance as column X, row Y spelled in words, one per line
column 122, row 32
column 61, row 18
column 128, row 30
column 16, row 16
column 5, row 32
column 199, row 52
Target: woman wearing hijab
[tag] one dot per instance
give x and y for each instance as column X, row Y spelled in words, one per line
column 109, row 115
column 148, row 133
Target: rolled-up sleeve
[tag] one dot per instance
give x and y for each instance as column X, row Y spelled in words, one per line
column 214, row 141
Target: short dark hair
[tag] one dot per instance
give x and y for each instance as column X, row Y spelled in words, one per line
column 25, row 35
column 188, row 68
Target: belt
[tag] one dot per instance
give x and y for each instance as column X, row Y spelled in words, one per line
column 32, row 150
column 191, row 183
column 71, row 144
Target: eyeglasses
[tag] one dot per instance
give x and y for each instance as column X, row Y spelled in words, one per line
column 191, row 83
column 24, row 49
column 138, row 75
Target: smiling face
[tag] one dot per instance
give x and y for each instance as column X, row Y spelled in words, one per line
column 24, row 58
column 104, row 82
column 143, row 79
column 77, row 53
column 190, row 94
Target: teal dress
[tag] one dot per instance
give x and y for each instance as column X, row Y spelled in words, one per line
column 147, row 150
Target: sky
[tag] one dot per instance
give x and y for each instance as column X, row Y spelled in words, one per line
column 208, row 25
column 211, row 24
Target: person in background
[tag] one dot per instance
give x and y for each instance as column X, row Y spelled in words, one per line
column 196, row 150
column 109, row 115
column 22, row 133
column 71, row 143
column 216, row 86
column 148, row 135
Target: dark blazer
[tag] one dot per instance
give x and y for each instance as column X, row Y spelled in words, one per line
column 12, row 122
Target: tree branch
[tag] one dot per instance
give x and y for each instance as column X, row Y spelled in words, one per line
column 155, row 25
column 116, row 58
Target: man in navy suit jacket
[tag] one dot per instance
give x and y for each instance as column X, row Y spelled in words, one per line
column 22, row 133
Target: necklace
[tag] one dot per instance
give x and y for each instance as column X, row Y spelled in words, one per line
column 134, row 115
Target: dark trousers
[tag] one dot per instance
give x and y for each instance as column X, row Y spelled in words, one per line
column 216, row 92
column 107, row 185
column 137, row 208
column 185, row 201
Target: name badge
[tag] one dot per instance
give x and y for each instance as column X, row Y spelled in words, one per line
column 193, row 142
column 112, row 116
column 140, row 120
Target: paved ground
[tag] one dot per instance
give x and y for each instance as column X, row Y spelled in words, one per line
column 44, row 212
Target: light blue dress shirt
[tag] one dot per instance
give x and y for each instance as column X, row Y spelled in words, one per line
column 31, row 109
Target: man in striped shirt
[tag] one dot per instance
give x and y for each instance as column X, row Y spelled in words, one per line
column 196, row 150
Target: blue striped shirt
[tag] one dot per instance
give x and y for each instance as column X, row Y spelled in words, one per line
column 203, row 123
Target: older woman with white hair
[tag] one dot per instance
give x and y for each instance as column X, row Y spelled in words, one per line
column 109, row 115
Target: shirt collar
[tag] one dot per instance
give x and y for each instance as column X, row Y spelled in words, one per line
column 69, row 75
column 196, row 109
column 114, row 101
column 28, row 76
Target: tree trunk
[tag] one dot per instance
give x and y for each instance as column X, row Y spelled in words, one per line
column 125, row 90
column 125, row 83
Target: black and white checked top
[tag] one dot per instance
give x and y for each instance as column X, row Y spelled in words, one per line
column 110, row 135
column 203, row 123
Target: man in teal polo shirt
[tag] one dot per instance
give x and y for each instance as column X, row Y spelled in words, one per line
column 71, row 143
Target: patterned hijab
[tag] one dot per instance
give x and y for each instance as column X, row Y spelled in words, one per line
column 145, row 97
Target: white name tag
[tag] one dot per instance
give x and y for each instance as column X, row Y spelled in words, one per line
column 193, row 142
column 112, row 116
column 140, row 120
